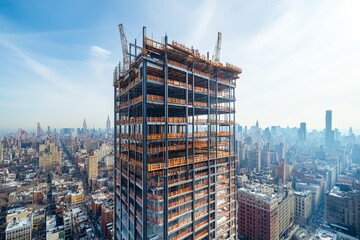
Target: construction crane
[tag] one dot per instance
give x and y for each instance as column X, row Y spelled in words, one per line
column 124, row 45
column 217, row 51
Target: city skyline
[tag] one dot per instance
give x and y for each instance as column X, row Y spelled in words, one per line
column 297, row 58
column 104, row 126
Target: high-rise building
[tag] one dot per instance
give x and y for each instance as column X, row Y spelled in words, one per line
column 342, row 208
column 303, row 202
column 255, row 158
column 315, row 193
column 281, row 151
column 302, row 133
column 44, row 161
column 108, row 125
column 84, row 125
column 264, row 212
column 56, row 158
column 329, row 133
column 39, row 131
column 265, row 155
column 355, row 153
column 1, row 153
column 92, row 166
column 174, row 143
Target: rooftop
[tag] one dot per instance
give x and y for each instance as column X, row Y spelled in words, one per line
column 323, row 235
column 303, row 193
column 18, row 223
column 336, row 192
column 265, row 192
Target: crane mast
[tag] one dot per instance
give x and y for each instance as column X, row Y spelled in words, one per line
column 125, row 50
column 217, row 51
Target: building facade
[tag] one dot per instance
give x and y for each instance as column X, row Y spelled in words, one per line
column 1, row 153
column 107, row 216
column 303, row 202
column 264, row 213
column 329, row 133
column 92, row 166
column 302, row 133
column 315, row 192
column 174, row 136
column 342, row 208
column 45, row 162
column 19, row 229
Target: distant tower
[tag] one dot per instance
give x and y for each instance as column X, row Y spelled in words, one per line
column 1, row 153
column 255, row 158
column 84, row 125
column 351, row 132
column 38, row 130
column 302, row 132
column 281, row 151
column 108, row 126
column 283, row 171
column 257, row 125
column 329, row 134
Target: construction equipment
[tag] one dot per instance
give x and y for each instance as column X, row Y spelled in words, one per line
column 125, row 50
column 217, row 51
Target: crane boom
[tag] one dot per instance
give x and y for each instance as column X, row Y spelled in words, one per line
column 124, row 45
column 217, row 51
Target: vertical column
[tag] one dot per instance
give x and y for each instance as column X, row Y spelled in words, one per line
column 193, row 149
column 216, row 147
column 208, row 153
column 130, row 131
column 232, row 139
column 144, row 155
column 116, row 158
column 187, row 118
column 166, row 111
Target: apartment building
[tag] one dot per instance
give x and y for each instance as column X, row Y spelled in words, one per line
column 265, row 211
column 342, row 208
column 303, row 202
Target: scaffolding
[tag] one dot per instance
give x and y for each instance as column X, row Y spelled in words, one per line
column 174, row 138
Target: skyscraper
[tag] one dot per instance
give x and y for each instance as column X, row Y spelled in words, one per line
column 38, row 130
column 84, row 125
column 174, row 143
column 355, row 153
column 108, row 125
column 92, row 166
column 302, row 132
column 255, row 158
column 329, row 133
column 1, row 153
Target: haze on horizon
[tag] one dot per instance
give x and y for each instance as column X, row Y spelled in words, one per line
column 299, row 58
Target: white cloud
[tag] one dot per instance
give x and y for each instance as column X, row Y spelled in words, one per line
column 99, row 52
column 298, row 58
column 31, row 63
column 51, row 86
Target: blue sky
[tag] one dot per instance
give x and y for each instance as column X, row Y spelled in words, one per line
column 299, row 58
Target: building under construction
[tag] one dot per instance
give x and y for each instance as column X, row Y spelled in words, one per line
column 174, row 137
